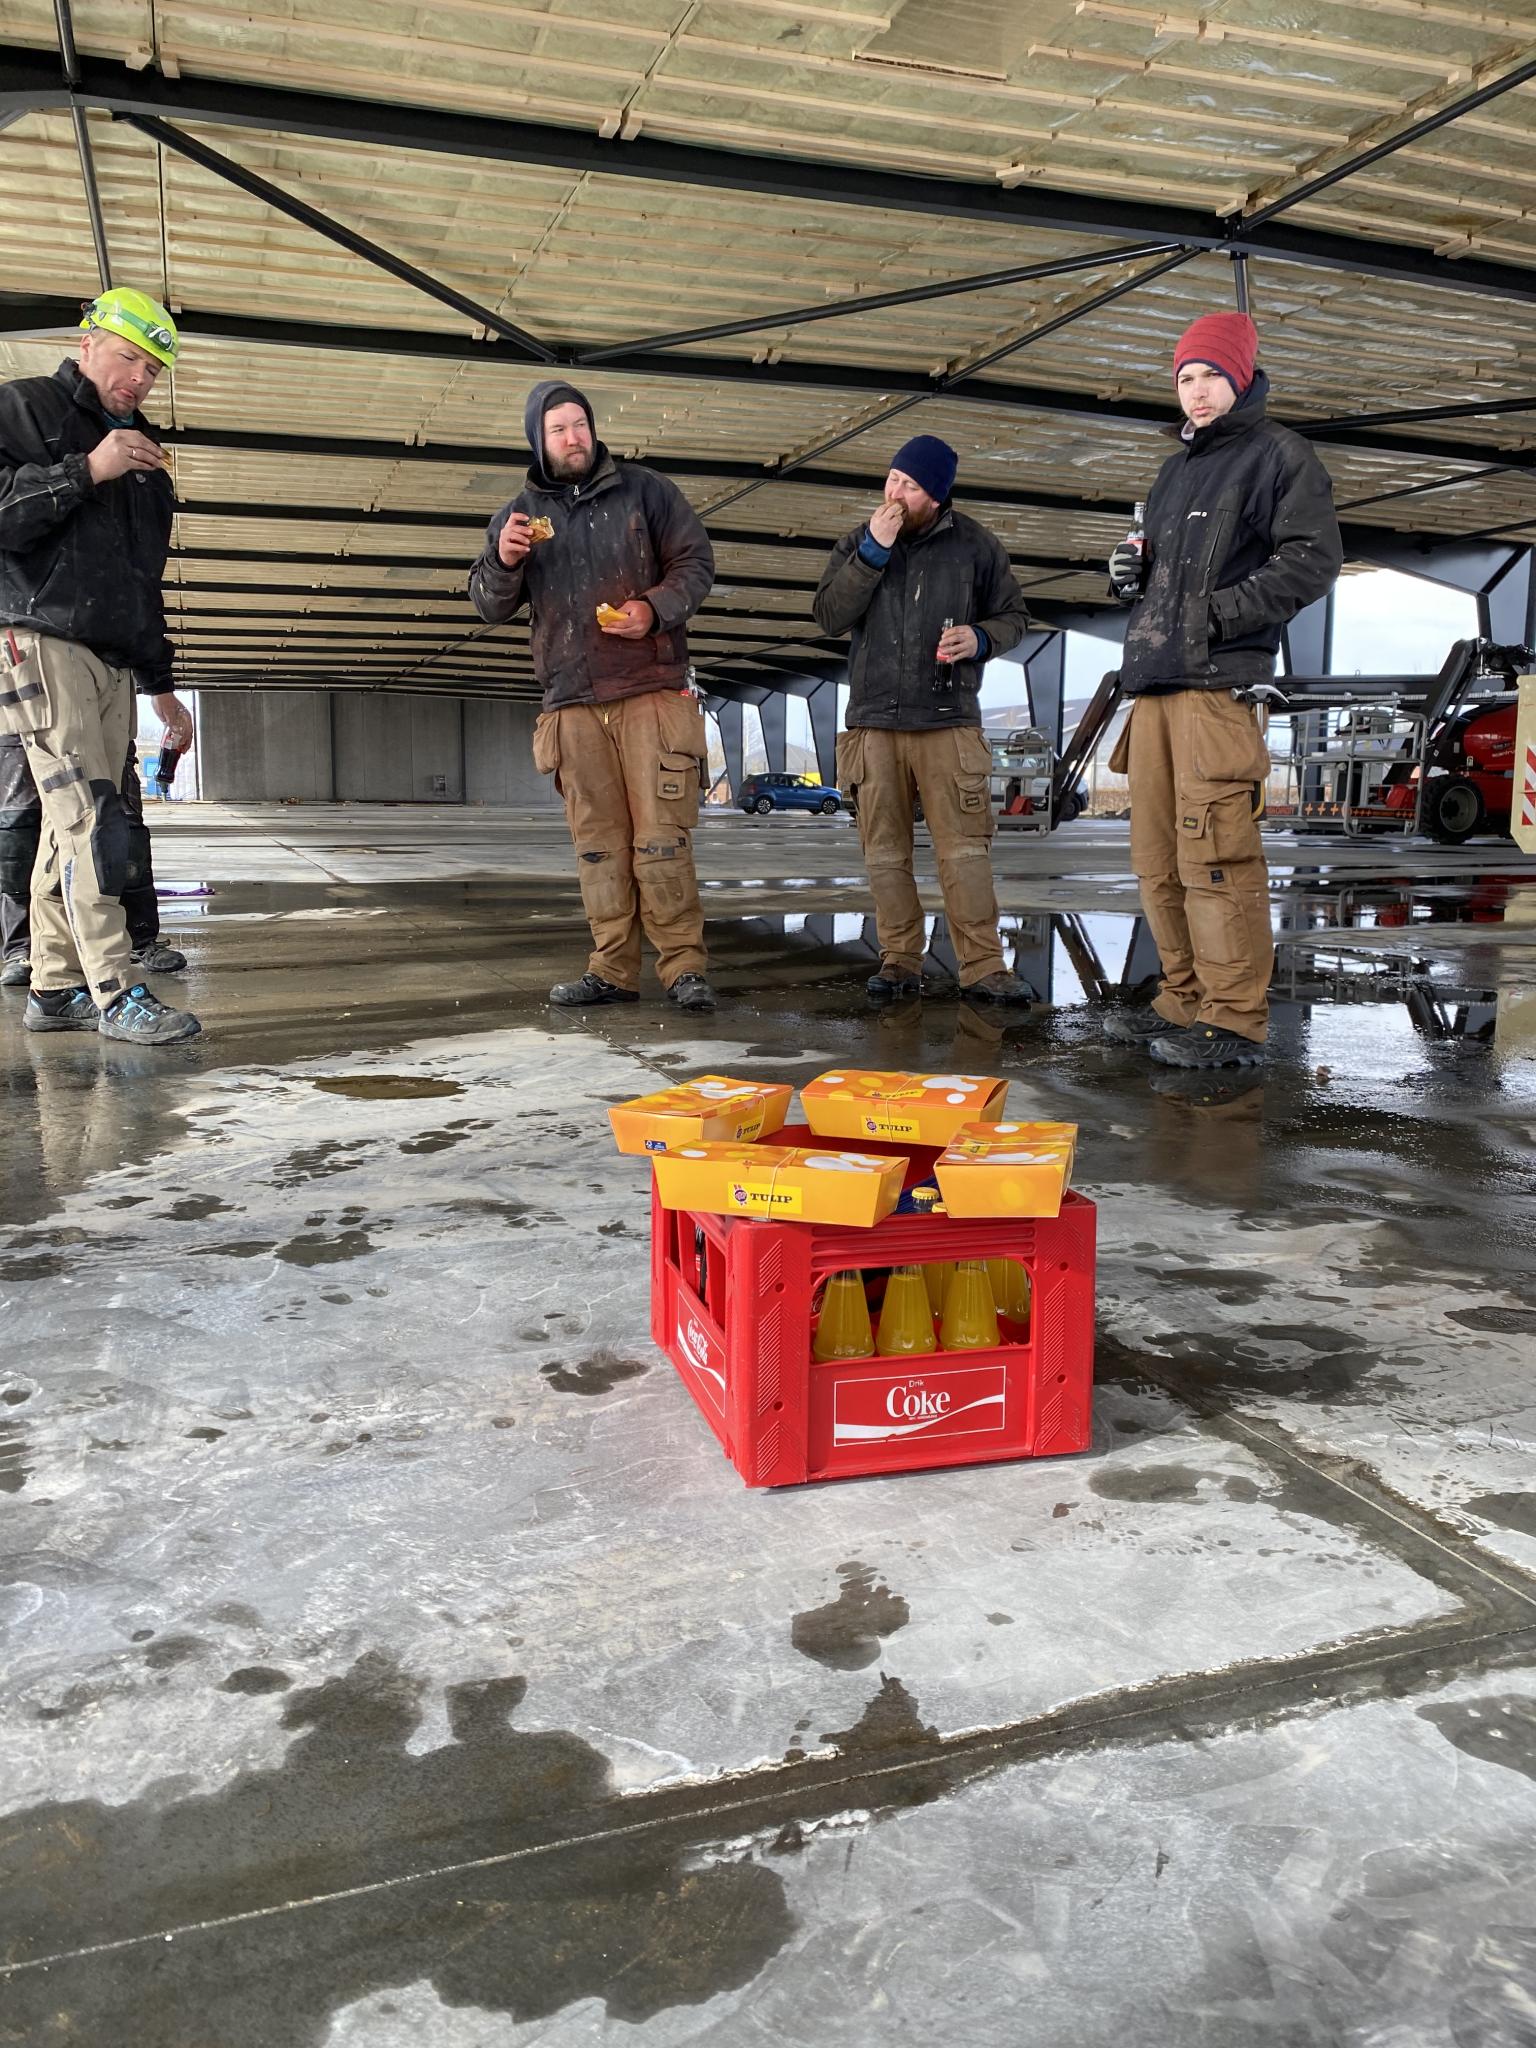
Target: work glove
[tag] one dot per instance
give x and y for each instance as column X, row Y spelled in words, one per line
column 1127, row 571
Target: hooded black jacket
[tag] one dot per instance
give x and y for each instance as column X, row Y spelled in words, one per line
column 953, row 570
column 82, row 561
column 621, row 532
column 1241, row 535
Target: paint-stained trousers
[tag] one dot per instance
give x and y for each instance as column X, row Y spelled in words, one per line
column 1197, row 761
column 631, row 772
column 950, row 770
column 21, row 833
column 74, row 716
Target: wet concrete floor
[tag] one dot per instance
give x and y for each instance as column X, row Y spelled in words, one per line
column 391, row 1656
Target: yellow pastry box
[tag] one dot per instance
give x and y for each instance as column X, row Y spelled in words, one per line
column 789, row 1183
column 994, row 1169
column 713, row 1108
column 920, row 1109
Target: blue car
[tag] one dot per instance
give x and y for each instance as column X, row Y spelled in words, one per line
column 765, row 793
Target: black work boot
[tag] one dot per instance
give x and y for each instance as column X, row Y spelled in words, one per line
column 691, row 992
column 892, row 982
column 572, row 995
column 1207, row 1045
column 1002, row 987
column 156, row 957
column 60, row 1009
column 140, row 1018
column 1138, row 1026
column 16, row 970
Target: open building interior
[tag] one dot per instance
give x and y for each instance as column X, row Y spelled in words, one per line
column 391, row 1654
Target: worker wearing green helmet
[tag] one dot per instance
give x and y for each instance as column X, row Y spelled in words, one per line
column 86, row 504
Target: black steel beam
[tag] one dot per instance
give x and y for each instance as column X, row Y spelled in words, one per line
column 25, row 318
column 30, row 83
column 70, row 60
column 879, row 302
column 224, row 167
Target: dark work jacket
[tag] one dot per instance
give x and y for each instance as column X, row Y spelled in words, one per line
column 80, row 560
column 1241, row 535
column 954, row 570
column 622, row 532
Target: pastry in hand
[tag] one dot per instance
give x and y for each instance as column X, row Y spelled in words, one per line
column 540, row 529
column 610, row 615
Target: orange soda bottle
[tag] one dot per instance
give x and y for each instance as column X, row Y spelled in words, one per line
column 843, row 1328
column 936, row 1273
column 1010, row 1289
column 970, row 1315
column 906, row 1320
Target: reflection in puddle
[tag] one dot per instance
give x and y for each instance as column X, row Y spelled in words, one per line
column 385, row 1087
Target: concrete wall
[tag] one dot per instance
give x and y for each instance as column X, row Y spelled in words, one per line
column 259, row 746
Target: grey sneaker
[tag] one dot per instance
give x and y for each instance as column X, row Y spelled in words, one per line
column 156, row 957
column 60, row 1009
column 141, row 1018
column 691, row 992
column 16, row 970
column 1139, row 1026
column 571, row 995
column 1205, row 1045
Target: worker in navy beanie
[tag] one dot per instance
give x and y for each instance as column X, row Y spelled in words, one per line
column 926, row 594
column 1240, row 534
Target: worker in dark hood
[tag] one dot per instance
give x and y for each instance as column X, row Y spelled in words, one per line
column 611, row 561
column 86, row 504
column 928, row 595
column 1240, row 536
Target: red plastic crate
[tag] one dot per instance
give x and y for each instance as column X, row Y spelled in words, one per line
column 731, row 1307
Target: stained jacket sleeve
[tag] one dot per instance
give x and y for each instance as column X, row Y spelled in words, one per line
column 155, row 678
column 35, row 495
column 497, row 592
column 1307, row 553
column 683, row 550
column 847, row 585
column 1001, row 612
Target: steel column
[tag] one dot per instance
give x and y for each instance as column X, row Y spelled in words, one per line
column 822, row 706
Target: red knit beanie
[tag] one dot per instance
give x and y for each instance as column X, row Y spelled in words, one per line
column 1229, row 342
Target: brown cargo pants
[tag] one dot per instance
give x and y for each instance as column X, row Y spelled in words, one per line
column 631, row 772
column 950, row 770
column 75, row 718
column 1197, row 760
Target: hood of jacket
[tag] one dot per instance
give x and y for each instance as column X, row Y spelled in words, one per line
column 555, row 391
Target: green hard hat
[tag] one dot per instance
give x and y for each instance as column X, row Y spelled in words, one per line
column 138, row 318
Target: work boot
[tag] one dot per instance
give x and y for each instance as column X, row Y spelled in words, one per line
column 1002, row 987
column 892, row 982
column 156, row 957
column 691, row 992
column 1138, row 1026
column 140, row 1017
column 571, row 995
column 15, row 970
column 60, row 1009
column 1207, row 1045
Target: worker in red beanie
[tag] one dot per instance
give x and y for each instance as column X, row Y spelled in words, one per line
column 1240, row 535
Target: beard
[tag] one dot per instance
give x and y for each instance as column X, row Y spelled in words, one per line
column 570, row 468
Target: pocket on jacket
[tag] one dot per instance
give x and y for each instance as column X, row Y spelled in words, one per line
column 1226, row 744
column 546, row 742
column 25, row 704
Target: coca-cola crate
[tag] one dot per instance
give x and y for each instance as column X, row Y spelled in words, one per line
column 731, row 1307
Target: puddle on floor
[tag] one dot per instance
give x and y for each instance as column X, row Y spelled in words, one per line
column 385, row 1087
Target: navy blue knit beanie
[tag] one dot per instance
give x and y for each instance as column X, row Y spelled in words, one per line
column 929, row 462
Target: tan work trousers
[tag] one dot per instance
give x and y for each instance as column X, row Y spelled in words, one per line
column 75, row 718
column 1197, row 761
column 950, row 770
column 631, row 772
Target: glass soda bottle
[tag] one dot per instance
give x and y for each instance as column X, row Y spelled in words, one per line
column 970, row 1315
column 937, row 1273
column 944, row 673
column 843, row 1328
column 1010, row 1289
column 906, row 1320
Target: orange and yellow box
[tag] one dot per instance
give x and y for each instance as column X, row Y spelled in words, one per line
column 923, row 1109
column 992, row 1169
column 712, row 1109
column 789, row 1183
